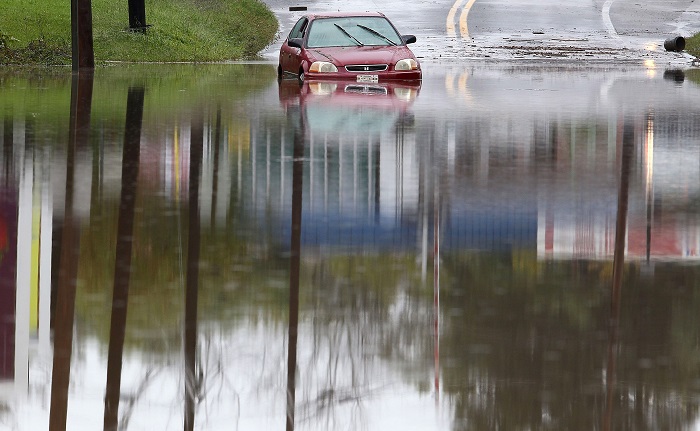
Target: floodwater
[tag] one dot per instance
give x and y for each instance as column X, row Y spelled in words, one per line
column 501, row 247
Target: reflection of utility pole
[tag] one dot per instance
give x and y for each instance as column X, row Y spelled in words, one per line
column 618, row 268
column 192, row 287
column 436, row 284
column 122, row 264
column 81, row 103
column 399, row 180
column 294, row 269
column 215, row 174
column 423, row 167
column 377, row 180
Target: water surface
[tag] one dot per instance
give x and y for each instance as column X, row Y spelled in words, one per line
column 500, row 247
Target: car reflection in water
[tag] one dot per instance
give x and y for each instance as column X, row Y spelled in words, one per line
column 347, row 107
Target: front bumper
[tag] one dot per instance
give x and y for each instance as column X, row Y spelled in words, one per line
column 342, row 75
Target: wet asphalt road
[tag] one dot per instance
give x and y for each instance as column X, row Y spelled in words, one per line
column 615, row 31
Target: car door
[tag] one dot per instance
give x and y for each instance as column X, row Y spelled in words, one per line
column 290, row 57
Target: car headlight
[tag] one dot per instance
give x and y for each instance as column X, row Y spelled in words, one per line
column 322, row 67
column 406, row 64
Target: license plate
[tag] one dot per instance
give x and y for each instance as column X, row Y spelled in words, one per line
column 367, row 78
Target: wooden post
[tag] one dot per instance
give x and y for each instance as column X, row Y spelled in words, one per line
column 81, row 35
column 137, row 15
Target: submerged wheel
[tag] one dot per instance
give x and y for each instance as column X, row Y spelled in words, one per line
column 279, row 72
column 301, row 75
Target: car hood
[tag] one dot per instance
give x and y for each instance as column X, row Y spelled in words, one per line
column 362, row 54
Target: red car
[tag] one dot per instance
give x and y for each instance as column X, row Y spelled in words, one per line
column 362, row 47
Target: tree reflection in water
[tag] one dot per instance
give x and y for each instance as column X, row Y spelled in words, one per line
column 618, row 268
column 294, row 269
column 192, row 381
column 525, row 341
column 548, row 345
column 81, row 105
column 123, row 264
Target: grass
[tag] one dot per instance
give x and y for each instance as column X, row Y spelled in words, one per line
column 38, row 32
column 692, row 45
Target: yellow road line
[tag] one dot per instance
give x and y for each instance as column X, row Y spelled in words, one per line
column 464, row 31
column 450, row 24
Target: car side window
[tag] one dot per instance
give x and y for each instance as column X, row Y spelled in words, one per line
column 298, row 29
column 302, row 31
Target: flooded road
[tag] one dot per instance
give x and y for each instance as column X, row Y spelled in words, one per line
column 501, row 247
column 572, row 31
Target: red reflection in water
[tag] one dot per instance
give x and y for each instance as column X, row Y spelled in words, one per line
column 8, row 280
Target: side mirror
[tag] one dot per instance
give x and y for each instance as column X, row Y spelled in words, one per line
column 408, row 38
column 295, row 42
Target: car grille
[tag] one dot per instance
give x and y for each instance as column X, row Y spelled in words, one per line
column 366, row 67
column 365, row 89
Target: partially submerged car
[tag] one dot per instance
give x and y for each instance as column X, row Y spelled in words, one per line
column 362, row 47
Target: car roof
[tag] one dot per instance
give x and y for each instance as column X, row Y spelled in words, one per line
column 342, row 14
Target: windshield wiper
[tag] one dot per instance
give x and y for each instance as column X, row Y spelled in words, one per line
column 349, row 35
column 376, row 33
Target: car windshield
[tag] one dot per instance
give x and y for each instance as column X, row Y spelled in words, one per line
column 352, row 31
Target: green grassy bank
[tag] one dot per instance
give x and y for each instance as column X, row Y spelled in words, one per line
column 39, row 31
column 692, row 45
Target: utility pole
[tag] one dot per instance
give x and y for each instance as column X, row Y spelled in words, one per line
column 137, row 16
column 81, row 35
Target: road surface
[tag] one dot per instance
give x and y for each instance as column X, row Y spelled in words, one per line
column 616, row 31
